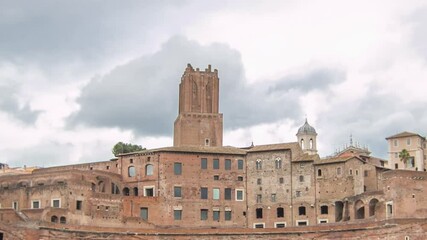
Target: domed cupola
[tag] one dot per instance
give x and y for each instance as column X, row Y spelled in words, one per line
column 306, row 129
column 307, row 138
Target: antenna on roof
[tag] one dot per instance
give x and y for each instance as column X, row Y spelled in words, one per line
column 351, row 139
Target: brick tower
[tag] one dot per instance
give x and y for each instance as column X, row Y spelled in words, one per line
column 198, row 122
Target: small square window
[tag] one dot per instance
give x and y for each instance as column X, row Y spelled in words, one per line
column 239, row 195
column 259, row 181
column 239, row 178
column 281, row 180
column 35, row 204
column 216, row 177
column 56, row 203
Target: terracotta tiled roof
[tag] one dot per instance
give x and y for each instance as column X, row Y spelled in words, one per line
column 404, row 134
column 294, row 146
column 195, row 149
column 334, row 160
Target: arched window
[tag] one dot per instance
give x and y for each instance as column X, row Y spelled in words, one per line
column 131, row 171
column 319, row 172
column 302, row 144
column 54, row 219
column 135, row 191
column 148, row 170
column 258, row 164
column 126, row 191
column 278, row 163
column 324, row 209
column 311, row 143
column 63, row 220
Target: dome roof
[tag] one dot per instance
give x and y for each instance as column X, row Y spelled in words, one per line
column 306, row 129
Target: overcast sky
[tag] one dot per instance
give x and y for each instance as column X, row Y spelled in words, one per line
column 78, row 76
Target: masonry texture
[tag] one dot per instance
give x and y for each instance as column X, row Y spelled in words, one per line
column 199, row 188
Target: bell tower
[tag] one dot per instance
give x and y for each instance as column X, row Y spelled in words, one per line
column 199, row 122
column 307, row 138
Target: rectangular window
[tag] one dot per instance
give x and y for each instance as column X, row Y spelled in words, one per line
column 149, row 191
column 227, row 165
column 35, row 204
column 56, row 203
column 365, row 173
column 216, row 177
column 280, row 212
column 408, row 141
column 177, row 168
column 215, row 193
column 79, row 205
column 273, row 197
column 204, row 163
column 216, row 215
column 177, row 214
column 143, row 213
column 258, row 225
column 203, row 214
column 259, row 181
column 216, row 164
column 15, row 206
column 302, row 223
column 298, row 194
column 239, row 178
column 396, row 155
column 239, row 195
column 259, row 198
column 281, row 180
column 227, row 215
column 280, row 225
column 240, row 164
column 203, row 193
column 227, row 193
column 395, row 142
column 258, row 212
column 177, row 192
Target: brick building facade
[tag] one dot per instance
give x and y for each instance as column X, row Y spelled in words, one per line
column 198, row 183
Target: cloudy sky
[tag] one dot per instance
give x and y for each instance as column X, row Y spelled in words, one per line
column 78, row 76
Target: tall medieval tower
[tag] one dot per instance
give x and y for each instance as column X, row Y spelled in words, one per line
column 198, row 123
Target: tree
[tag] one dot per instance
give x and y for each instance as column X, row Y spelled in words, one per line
column 121, row 147
column 404, row 156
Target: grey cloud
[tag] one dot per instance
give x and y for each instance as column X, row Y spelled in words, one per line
column 9, row 103
column 370, row 121
column 418, row 22
column 142, row 95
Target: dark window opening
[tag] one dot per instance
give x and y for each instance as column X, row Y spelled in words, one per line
column 177, row 168
column 280, row 212
column 204, row 163
column 79, row 205
column 301, row 211
column 324, row 210
column 258, row 212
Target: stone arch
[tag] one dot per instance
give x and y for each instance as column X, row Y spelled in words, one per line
column 339, row 210
column 23, row 184
column 373, row 204
column 126, row 191
column 54, row 219
column 359, row 209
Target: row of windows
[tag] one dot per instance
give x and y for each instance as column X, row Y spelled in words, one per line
column 204, row 214
column 204, row 193
column 280, row 212
column 35, row 204
column 149, row 169
column 277, row 163
column 339, row 172
column 216, row 164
